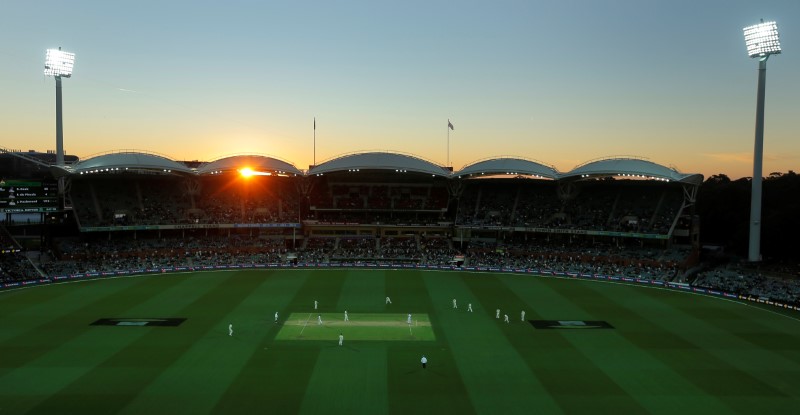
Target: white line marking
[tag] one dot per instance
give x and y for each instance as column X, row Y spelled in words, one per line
column 304, row 325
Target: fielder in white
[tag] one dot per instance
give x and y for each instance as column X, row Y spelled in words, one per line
column 341, row 339
column 523, row 315
column 319, row 319
column 388, row 300
column 455, row 305
column 409, row 319
column 276, row 316
column 345, row 316
column 230, row 329
column 315, row 304
column 505, row 318
column 497, row 314
column 469, row 307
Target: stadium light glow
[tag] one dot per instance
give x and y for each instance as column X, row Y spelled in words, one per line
column 762, row 39
column 58, row 63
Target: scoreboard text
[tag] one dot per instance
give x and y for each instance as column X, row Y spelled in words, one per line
column 28, row 196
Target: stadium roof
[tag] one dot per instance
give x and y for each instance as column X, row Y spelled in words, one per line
column 510, row 166
column 379, row 161
column 621, row 167
column 631, row 167
column 128, row 160
column 254, row 162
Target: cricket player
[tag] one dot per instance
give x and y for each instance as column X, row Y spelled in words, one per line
column 315, row 304
column 455, row 305
column 276, row 317
column 523, row 315
column 424, row 361
column 345, row 316
column 341, row 339
column 505, row 318
column 497, row 314
column 388, row 300
column 409, row 319
column 319, row 319
column 230, row 329
column 469, row 307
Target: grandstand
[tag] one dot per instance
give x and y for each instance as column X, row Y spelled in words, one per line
column 371, row 206
column 620, row 216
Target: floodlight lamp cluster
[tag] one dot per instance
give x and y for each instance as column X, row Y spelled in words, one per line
column 106, row 170
column 58, row 63
column 762, row 39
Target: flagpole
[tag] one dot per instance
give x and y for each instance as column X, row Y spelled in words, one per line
column 448, row 143
column 315, row 141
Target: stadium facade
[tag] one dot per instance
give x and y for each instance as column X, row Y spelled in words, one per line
column 375, row 194
column 373, row 207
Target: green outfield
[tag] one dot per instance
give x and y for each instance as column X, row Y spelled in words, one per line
column 161, row 344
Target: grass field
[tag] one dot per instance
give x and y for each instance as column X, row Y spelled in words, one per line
column 667, row 353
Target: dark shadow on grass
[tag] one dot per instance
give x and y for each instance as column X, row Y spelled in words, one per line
column 427, row 370
column 347, row 347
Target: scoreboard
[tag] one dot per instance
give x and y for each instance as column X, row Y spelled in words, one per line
column 28, row 196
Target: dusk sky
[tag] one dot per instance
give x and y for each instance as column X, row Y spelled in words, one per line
column 561, row 82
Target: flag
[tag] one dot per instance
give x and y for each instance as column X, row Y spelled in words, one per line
column 450, row 125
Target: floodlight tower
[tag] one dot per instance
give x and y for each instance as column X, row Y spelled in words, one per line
column 761, row 41
column 58, row 64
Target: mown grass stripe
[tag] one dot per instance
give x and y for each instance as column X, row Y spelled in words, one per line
column 439, row 389
column 412, row 389
column 735, row 323
column 125, row 374
column 323, row 286
column 575, row 381
column 348, row 380
column 750, row 374
column 22, row 303
column 254, row 322
column 496, row 377
column 38, row 315
column 276, row 378
column 362, row 291
column 61, row 325
column 672, row 358
column 660, row 334
column 646, row 380
column 72, row 359
column 406, row 290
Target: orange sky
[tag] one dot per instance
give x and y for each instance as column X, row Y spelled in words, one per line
column 533, row 80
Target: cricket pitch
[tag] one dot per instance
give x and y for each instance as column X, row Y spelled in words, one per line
column 359, row 327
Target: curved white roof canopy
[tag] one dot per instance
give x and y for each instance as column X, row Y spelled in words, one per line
column 255, row 162
column 379, row 161
column 616, row 166
column 128, row 161
column 635, row 168
column 508, row 165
